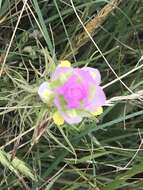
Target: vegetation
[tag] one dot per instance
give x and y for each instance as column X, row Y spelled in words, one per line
column 103, row 153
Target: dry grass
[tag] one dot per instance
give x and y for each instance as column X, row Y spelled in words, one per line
column 91, row 26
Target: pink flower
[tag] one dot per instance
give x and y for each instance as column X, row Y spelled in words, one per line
column 78, row 92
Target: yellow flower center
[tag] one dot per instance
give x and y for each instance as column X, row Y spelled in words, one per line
column 58, row 119
column 98, row 111
column 65, row 63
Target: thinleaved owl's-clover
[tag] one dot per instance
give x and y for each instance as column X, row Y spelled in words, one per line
column 75, row 93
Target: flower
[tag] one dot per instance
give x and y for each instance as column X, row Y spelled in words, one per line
column 75, row 93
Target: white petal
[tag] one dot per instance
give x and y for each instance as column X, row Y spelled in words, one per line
column 45, row 92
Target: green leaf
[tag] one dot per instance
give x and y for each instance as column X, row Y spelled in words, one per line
column 43, row 26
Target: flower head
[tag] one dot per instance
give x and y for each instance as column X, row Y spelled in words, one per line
column 76, row 92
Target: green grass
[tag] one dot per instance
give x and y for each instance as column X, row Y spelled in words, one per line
column 99, row 154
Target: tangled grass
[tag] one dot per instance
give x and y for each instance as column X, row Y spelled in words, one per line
column 100, row 154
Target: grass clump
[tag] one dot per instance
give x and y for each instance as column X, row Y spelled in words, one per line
column 103, row 154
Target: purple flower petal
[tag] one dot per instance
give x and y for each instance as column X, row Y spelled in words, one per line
column 60, row 71
column 98, row 100
column 70, row 117
column 57, row 102
column 73, row 92
column 84, row 75
column 95, row 74
column 73, row 104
